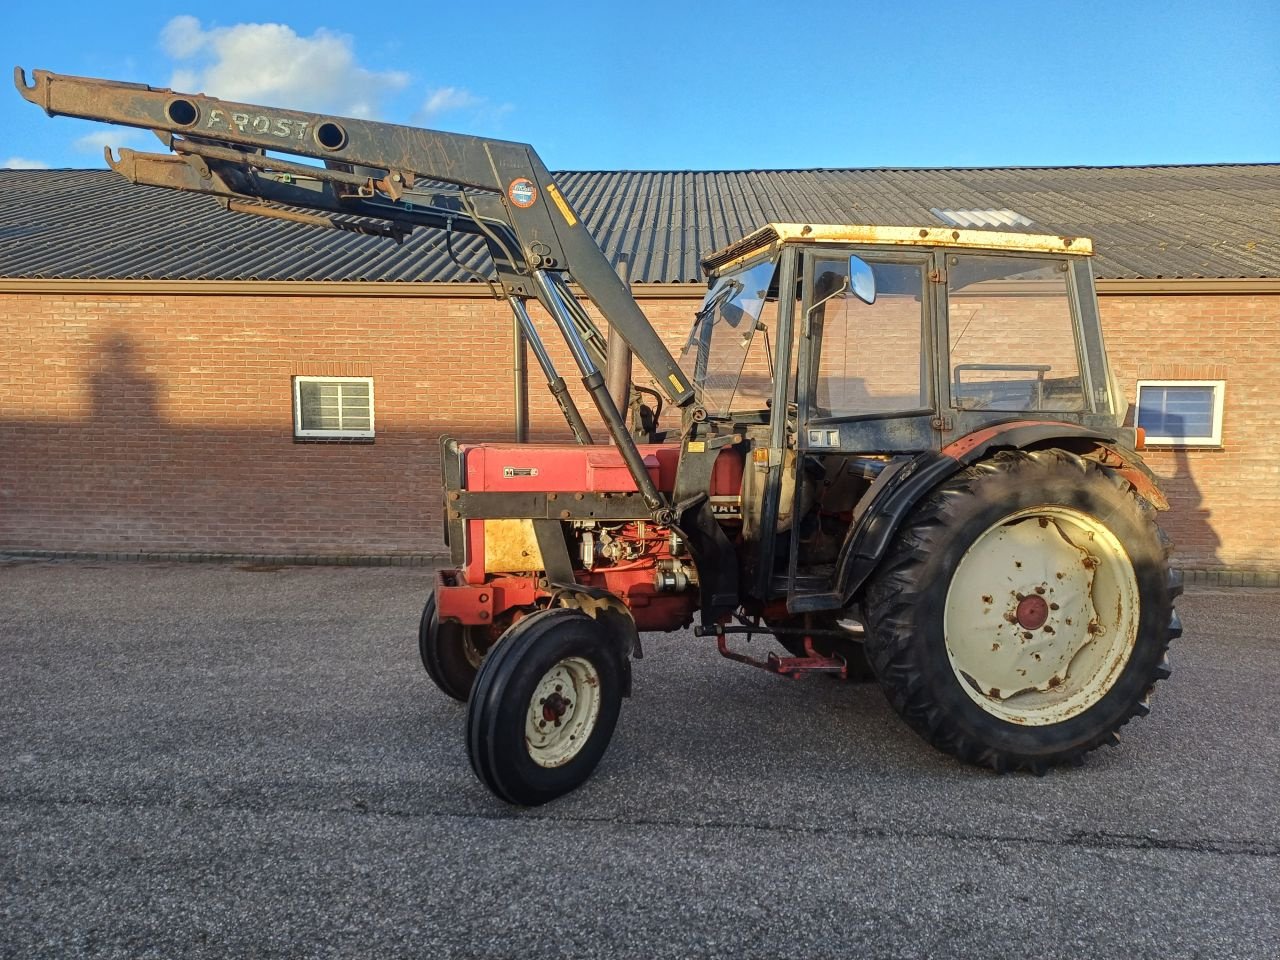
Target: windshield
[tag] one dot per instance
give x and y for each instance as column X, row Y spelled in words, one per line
column 722, row 332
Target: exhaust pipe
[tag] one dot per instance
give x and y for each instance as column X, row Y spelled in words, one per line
column 618, row 357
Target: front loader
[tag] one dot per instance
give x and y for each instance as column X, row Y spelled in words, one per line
column 894, row 451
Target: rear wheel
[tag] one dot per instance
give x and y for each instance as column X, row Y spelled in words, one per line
column 544, row 705
column 1023, row 614
column 451, row 652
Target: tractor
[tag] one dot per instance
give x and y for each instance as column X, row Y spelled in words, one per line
column 898, row 452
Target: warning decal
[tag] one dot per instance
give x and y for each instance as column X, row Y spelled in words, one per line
column 565, row 210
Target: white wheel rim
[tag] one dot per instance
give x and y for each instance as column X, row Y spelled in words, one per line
column 470, row 649
column 1041, row 615
column 562, row 712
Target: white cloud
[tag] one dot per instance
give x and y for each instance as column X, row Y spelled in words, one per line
column 269, row 63
column 99, row 140
column 187, row 81
column 446, row 99
column 24, row 163
column 182, row 37
column 481, row 112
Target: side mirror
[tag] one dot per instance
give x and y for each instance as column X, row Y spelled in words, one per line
column 859, row 281
column 862, row 281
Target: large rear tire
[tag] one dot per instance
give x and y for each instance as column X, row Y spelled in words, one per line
column 1024, row 612
column 544, row 705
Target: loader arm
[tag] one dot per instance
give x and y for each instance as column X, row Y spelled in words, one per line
column 507, row 196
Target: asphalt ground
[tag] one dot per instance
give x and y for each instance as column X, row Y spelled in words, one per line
column 212, row 760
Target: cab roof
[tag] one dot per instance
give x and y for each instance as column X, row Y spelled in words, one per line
column 774, row 235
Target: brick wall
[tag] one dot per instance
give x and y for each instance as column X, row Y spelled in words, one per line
column 165, row 423
column 1225, row 503
column 145, row 423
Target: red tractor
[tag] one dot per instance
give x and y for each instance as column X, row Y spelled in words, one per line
column 897, row 451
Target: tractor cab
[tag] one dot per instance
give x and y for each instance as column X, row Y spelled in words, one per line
column 908, row 338
column 880, row 346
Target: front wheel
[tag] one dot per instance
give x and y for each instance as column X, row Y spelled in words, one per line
column 544, row 705
column 451, row 653
column 1024, row 612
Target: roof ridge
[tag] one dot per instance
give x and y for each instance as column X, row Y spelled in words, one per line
column 578, row 171
column 929, row 169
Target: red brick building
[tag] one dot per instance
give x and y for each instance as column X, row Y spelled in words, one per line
column 152, row 346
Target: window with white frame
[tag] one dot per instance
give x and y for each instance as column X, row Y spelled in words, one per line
column 1181, row 413
column 333, row 408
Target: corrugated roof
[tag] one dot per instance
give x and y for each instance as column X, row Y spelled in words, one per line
column 1146, row 222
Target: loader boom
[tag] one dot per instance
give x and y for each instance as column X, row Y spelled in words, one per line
column 502, row 191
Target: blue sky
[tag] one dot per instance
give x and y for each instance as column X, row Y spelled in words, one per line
column 660, row 85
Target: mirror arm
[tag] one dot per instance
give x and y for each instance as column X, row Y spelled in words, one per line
column 839, row 291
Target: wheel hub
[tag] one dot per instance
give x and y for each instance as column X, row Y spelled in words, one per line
column 554, row 707
column 1032, row 612
column 1041, row 613
column 562, row 712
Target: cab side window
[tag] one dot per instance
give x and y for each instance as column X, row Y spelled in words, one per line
column 1012, row 335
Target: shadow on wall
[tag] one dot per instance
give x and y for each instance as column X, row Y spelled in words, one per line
column 1188, row 525
column 125, row 477
column 120, row 389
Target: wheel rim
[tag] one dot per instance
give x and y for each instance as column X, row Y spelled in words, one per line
column 562, row 712
column 473, row 645
column 1041, row 615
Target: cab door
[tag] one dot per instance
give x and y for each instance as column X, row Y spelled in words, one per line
column 866, row 379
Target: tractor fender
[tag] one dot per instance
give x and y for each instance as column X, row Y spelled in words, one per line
column 1106, row 447
column 600, row 604
column 900, row 489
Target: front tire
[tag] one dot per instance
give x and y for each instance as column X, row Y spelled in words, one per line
column 451, row 653
column 544, row 705
column 1024, row 612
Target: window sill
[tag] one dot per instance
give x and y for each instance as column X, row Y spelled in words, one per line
column 1169, row 445
column 346, row 440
